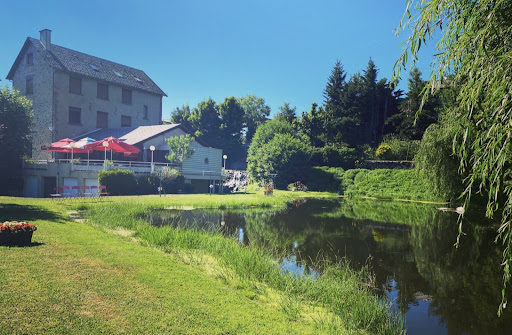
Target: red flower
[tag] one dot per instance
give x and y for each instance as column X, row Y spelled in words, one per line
column 15, row 226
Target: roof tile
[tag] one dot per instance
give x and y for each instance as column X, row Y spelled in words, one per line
column 94, row 67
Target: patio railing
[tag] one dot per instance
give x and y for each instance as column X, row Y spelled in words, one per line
column 98, row 165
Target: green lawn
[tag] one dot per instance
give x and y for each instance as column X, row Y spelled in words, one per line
column 80, row 278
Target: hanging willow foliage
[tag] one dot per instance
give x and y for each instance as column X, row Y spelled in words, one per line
column 476, row 47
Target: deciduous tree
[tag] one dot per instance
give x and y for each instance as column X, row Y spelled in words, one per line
column 475, row 46
column 278, row 149
column 256, row 112
column 182, row 115
column 205, row 121
column 15, row 126
column 179, row 147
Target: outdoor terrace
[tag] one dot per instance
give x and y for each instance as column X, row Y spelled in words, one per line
column 98, row 165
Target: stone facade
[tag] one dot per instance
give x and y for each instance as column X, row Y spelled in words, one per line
column 42, row 96
column 40, row 75
column 89, row 105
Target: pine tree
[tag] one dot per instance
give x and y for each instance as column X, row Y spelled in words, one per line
column 287, row 113
column 310, row 125
column 370, row 104
column 409, row 123
column 334, row 117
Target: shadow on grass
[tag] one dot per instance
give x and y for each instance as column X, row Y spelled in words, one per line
column 14, row 212
column 32, row 244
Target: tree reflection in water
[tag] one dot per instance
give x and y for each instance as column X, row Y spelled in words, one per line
column 409, row 248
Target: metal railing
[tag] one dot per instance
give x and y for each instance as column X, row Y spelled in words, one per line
column 98, row 165
column 93, row 165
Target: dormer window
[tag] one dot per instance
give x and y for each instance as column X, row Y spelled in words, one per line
column 117, row 74
column 138, row 80
column 30, row 59
column 94, row 67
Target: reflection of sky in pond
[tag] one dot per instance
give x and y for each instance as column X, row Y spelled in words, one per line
column 418, row 319
column 240, row 235
column 408, row 247
column 291, row 264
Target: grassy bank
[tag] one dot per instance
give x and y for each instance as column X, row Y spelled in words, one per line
column 388, row 184
column 220, row 201
column 82, row 278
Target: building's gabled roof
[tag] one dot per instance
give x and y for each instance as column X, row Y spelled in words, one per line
column 136, row 135
column 90, row 66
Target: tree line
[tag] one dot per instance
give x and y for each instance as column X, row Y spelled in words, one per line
column 227, row 125
column 356, row 114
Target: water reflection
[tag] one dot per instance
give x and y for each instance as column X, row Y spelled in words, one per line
column 409, row 247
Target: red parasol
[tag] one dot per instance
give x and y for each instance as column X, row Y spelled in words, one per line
column 113, row 145
column 64, row 145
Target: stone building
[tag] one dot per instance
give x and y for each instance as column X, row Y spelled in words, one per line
column 74, row 93
column 201, row 169
column 77, row 95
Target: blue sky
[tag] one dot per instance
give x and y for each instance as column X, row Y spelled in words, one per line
column 282, row 51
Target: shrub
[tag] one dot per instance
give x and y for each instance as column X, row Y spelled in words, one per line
column 437, row 163
column 148, row 184
column 395, row 148
column 118, row 181
column 173, row 181
column 333, row 156
column 383, row 152
column 324, row 178
column 276, row 149
column 350, row 177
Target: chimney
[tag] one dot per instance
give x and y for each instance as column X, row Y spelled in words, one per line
column 46, row 38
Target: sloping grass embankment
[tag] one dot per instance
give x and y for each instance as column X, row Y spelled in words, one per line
column 77, row 278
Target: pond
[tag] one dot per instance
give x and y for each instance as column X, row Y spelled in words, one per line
column 409, row 247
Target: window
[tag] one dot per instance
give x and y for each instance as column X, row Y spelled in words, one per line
column 102, row 91
column 126, row 121
column 75, row 115
column 127, row 96
column 146, row 116
column 29, row 89
column 94, row 67
column 75, row 85
column 101, row 119
column 30, row 59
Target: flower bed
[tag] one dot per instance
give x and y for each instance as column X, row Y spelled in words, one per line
column 14, row 233
column 297, row 186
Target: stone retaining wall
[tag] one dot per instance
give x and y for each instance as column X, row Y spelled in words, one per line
column 373, row 165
